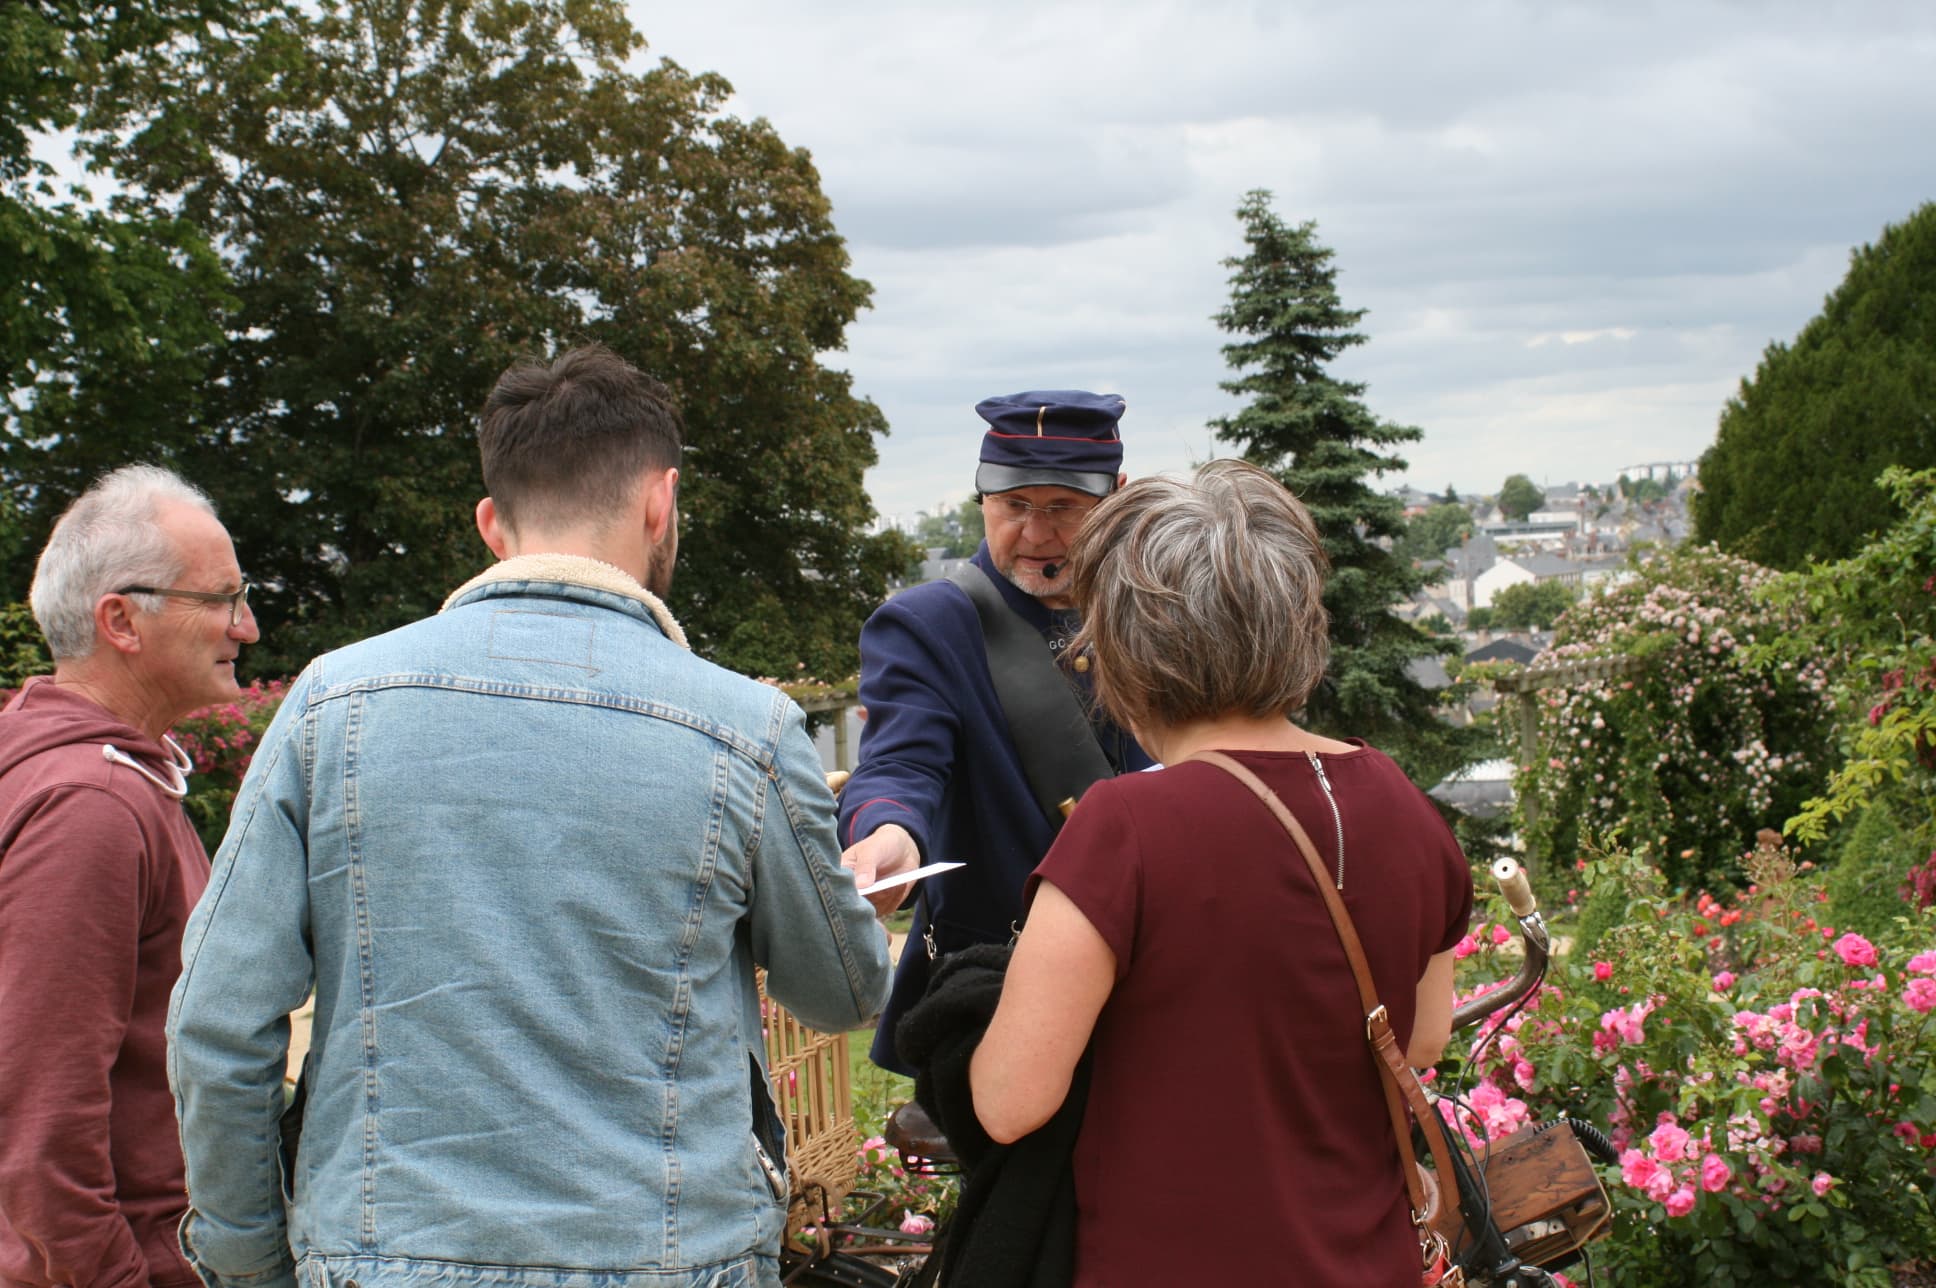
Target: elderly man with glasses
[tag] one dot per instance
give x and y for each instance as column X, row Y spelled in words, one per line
column 144, row 611
column 965, row 703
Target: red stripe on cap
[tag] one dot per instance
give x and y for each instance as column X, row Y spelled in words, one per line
column 1054, row 438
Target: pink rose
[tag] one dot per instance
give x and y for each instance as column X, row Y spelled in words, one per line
column 1625, row 1024
column 1638, row 1170
column 1681, row 1202
column 1465, row 948
column 1920, row 996
column 1822, row 1183
column 1715, row 1173
column 1923, row 963
column 917, row 1223
column 1523, row 1074
column 1669, row 1142
column 1854, row 950
column 1501, row 936
column 1723, row 980
column 1602, row 971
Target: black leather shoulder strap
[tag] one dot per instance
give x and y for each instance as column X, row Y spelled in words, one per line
column 1057, row 745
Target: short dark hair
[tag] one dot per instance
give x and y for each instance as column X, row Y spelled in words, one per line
column 1201, row 599
column 572, row 438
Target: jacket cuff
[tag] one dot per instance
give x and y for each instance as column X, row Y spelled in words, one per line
column 278, row 1271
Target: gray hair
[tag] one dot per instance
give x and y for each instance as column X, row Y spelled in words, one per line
column 105, row 540
column 1201, row 599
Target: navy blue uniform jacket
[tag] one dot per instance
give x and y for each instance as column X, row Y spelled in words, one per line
column 936, row 757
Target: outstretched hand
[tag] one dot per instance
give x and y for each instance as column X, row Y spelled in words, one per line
column 884, row 852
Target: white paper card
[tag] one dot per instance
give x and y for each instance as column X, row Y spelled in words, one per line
column 902, row 878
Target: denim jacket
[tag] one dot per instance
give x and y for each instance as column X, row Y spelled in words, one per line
column 527, row 853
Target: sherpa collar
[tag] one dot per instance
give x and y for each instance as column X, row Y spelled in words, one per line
column 577, row 570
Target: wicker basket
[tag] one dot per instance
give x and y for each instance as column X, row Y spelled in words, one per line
column 816, row 1102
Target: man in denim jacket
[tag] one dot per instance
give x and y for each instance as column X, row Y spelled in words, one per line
column 527, row 853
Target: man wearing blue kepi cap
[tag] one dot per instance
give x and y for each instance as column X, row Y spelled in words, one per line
column 973, row 734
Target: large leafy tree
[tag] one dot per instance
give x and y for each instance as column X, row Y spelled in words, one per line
column 413, row 195
column 956, row 533
column 1314, row 431
column 1792, row 471
column 1519, row 496
column 121, row 280
column 90, row 281
column 1531, row 605
column 1430, row 534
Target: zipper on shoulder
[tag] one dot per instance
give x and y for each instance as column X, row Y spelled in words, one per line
column 1336, row 818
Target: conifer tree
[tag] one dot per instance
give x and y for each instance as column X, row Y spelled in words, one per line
column 1792, row 472
column 1315, row 433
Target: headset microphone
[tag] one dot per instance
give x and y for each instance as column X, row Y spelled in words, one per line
column 1051, row 571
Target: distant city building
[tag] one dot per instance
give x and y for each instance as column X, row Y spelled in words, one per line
column 1660, row 471
column 1484, row 790
column 1525, row 570
column 1504, row 649
column 1531, row 529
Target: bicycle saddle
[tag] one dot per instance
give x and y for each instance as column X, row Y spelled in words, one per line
column 914, row 1134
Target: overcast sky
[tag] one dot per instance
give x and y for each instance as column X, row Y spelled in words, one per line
column 1575, row 227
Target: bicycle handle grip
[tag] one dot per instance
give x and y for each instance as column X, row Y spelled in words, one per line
column 1514, row 885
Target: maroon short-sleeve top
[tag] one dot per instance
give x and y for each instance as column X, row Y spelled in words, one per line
column 1236, row 1131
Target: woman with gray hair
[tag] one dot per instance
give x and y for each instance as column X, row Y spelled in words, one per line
column 1235, row 1129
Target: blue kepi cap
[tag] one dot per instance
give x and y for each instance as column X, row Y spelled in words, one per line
column 1050, row 438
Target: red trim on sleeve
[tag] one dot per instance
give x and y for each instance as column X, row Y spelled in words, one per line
column 864, row 807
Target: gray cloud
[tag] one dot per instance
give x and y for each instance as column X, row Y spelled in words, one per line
column 1574, row 226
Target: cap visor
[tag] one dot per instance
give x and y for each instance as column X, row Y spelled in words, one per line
column 990, row 478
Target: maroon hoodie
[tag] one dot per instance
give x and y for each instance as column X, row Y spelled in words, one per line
column 99, row 868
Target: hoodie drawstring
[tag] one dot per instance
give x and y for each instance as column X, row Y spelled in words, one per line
column 176, row 784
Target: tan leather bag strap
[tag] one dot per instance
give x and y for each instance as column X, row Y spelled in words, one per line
column 1402, row 1088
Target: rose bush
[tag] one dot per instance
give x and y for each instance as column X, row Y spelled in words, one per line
column 1769, row 1080
column 916, row 1202
column 1871, row 620
column 1705, row 741
column 221, row 740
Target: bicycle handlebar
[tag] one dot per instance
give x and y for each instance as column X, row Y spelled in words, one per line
column 1517, row 889
column 1512, row 882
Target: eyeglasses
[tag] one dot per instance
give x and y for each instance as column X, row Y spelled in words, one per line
column 237, row 600
column 1064, row 516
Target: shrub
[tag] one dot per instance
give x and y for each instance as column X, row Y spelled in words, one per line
column 1703, row 742
column 221, row 740
column 915, row 1202
column 1769, row 1079
column 1865, row 885
column 1871, row 620
column 23, row 652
